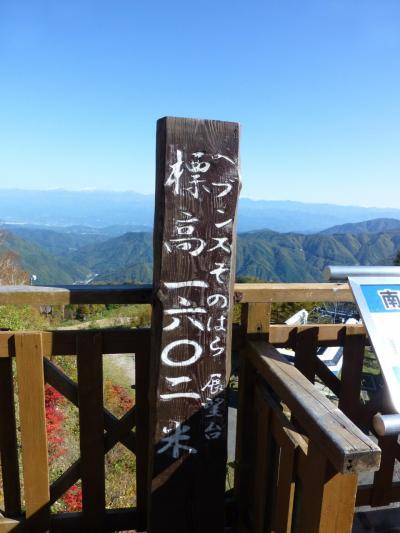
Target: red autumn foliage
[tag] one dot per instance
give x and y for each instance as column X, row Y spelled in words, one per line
column 55, row 417
column 73, row 499
column 54, row 420
column 56, row 440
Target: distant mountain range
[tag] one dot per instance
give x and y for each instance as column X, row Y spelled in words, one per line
column 94, row 255
column 130, row 211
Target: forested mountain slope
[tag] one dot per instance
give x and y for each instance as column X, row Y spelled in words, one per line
column 296, row 257
column 47, row 268
column 377, row 225
column 267, row 255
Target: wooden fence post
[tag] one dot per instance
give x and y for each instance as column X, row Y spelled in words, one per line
column 31, row 396
column 245, row 447
column 327, row 497
column 256, row 318
column 91, row 428
column 194, row 250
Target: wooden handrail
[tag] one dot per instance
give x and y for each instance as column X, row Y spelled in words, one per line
column 346, row 447
column 100, row 430
column 60, row 342
column 130, row 294
column 328, row 334
column 115, row 341
column 292, row 292
column 75, row 294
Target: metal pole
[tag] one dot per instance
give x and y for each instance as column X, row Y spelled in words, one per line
column 386, row 424
column 341, row 273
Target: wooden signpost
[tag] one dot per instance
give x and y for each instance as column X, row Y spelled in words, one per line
column 194, row 247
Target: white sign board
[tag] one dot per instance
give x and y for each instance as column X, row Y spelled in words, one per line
column 378, row 299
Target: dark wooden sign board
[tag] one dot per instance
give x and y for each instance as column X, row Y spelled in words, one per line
column 194, row 251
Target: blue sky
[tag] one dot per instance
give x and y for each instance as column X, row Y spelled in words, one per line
column 314, row 83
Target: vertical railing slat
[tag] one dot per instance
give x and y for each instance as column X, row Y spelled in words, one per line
column 338, row 503
column 256, row 318
column 265, row 463
column 285, row 490
column 31, row 397
column 383, row 478
column 327, row 498
column 351, row 376
column 142, row 368
column 8, row 441
column 245, row 443
column 91, row 426
column 306, row 352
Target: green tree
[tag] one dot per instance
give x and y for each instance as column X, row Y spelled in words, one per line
column 397, row 260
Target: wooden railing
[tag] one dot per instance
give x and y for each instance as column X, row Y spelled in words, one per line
column 99, row 429
column 297, row 464
column 126, row 294
column 383, row 488
column 295, row 439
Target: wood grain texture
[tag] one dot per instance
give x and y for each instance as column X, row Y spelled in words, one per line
column 290, row 442
column 312, row 479
column 91, row 427
column 115, row 341
column 256, row 318
column 292, row 292
column 74, row 294
column 194, row 248
column 327, row 497
column 285, row 490
column 30, row 377
column 8, row 441
column 347, row 448
column 328, row 334
column 338, row 503
column 244, row 293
